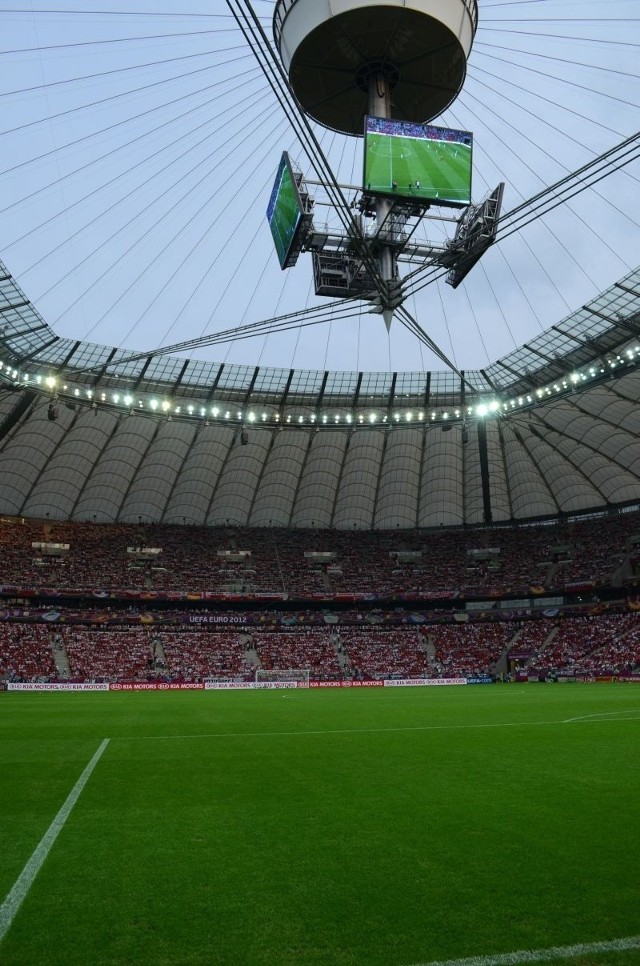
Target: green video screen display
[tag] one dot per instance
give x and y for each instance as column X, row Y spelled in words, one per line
column 284, row 212
column 407, row 160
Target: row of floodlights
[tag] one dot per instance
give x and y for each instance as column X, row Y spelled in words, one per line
column 488, row 408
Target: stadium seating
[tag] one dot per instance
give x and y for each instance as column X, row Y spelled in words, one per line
column 26, row 653
column 314, row 650
column 606, row 644
column 383, row 653
column 468, row 650
column 310, row 565
column 249, row 561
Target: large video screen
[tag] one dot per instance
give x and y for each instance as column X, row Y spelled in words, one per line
column 284, row 213
column 419, row 161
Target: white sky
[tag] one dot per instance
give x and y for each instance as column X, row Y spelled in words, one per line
column 139, row 141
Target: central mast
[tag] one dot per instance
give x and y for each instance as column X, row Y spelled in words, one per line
column 384, row 70
column 380, row 106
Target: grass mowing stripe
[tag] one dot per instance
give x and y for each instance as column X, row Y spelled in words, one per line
column 15, row 898
column 542, row 955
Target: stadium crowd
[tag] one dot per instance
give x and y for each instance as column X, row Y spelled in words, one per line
column 607, row 644
column 299, row 563
column 309, row 566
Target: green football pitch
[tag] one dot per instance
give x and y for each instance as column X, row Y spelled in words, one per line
column 423, row 169
column 387, row 827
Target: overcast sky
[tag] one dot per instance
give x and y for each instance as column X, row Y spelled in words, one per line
column 138, row 148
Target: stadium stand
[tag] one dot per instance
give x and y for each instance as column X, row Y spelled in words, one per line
column 26, row 653
column 381, row 653
column 118, row 640
column 304, row 563
column 314, row 650
column 463, row 650
column 606, row 644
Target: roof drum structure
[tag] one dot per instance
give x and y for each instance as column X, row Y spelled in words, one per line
column 550, row 429
column 332, row 52
column 106, row 433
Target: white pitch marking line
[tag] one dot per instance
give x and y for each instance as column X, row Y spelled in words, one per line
column 369, row 731
column 342, row 731
column 542, row 955
column 602, row 714
column 13, row 901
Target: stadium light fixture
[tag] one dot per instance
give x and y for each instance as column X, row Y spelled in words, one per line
column 628, row 359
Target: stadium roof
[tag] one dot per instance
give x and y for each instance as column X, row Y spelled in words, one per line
column 599, row 332
column 153, row 440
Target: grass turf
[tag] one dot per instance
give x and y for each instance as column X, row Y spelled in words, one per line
column 442, row 168
column 380, row 827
